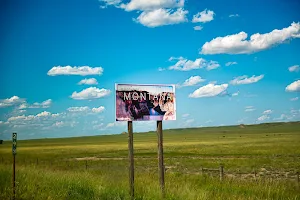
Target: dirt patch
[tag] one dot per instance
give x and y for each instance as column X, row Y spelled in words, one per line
column 87, row 158
column 96, row 158
column 113, row 158
column 217, row 157
column 229, row 157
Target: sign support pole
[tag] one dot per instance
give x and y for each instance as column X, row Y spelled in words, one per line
column 14, row 177
column 161, row 158
column 131, row 159
column 14, row 151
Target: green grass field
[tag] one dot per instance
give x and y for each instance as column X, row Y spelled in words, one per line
column 260, row 162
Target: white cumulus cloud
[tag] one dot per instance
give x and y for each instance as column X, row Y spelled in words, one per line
column 184, row 64
column 68, row 70
column 204, row 16
column 152, row 13
column 293, row 87
column 79, row 109
column 98, row 110
column 43, row 114
column 294, row 68
column 175, row 58
column 235, row 94
column 90, row 93
column 212, row 65
column 23, row 106
column 88, row 81
column 245, row 80
column 193, row 80
column 283, row 117
column 249, row 109
column 238, row 43
column 198, row 28
column 14, row 118
column 86, row 109
column 187, row 65
column 30, row 117
column 208, row 90
column 56, row 115
column 151, row 5
column 14, row 100
column 263, row 118
column 110, row 3
column 161, row 17
column 59, row 124
column 230, row 63
column 45, row 104
column 112, row 124
column 267, row 112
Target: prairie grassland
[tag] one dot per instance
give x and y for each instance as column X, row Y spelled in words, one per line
column 260, row 162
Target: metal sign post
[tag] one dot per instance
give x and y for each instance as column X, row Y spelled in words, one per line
column 161, row 167
column 131, row 159
column 14, row 152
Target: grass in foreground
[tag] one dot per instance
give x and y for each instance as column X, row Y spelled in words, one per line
column 35, row 183
column 50, row 169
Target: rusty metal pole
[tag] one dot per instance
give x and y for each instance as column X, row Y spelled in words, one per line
column 161, row 158
column 131, row 159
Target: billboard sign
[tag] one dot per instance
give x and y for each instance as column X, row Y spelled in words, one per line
column 145, row 102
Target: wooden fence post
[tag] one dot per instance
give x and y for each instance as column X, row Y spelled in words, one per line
column 202, row 171
column 86, row 165
column 161, row 158
column 221, row 172
column 131, row 159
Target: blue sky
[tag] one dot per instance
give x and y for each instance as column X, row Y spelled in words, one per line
column 233, row 62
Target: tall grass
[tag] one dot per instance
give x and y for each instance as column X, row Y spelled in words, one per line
column 49, row 169
column 36, row 183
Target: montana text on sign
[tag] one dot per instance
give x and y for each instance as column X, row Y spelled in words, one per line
column 145, row 102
